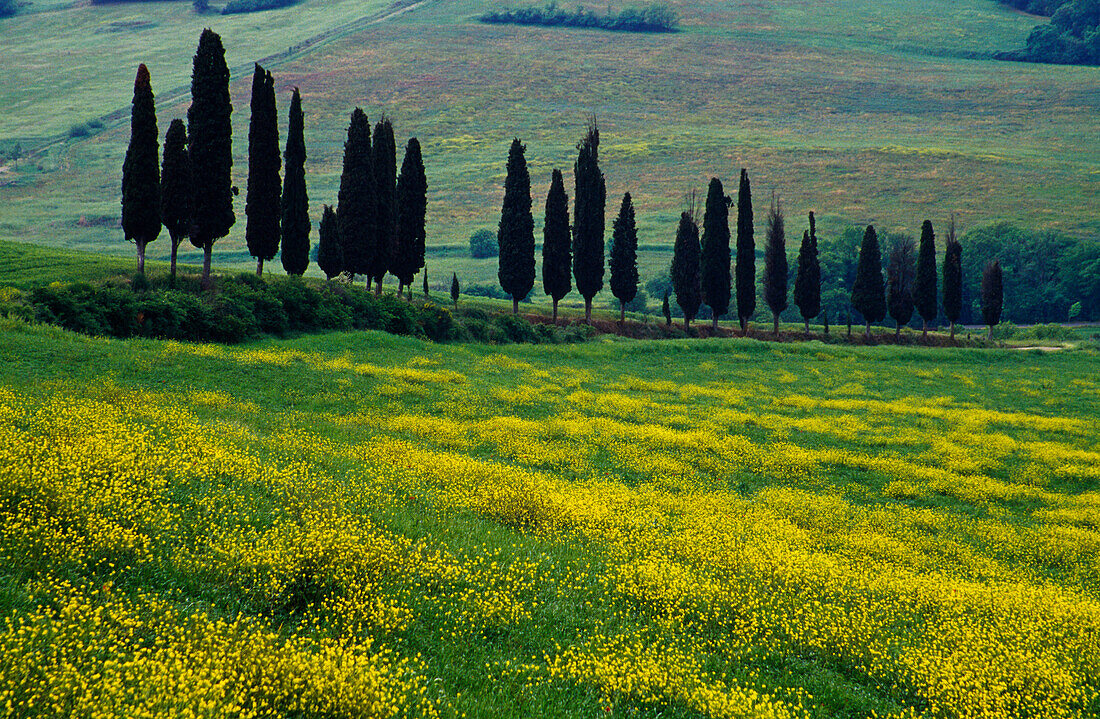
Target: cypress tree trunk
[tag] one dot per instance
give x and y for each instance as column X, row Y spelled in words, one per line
column 515, row 306
column 259, row 266
column 141, row 256
column 775, row 323
column 714, row 322
column 588, row 310
column 622, row 313
column 172, row 272
column 806, row 324
column 555, row 310
column 206, row 252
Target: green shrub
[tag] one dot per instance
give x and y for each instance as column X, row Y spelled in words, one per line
column 515, row 329
column 437, row 323
column 238, row 6
column 483, row 244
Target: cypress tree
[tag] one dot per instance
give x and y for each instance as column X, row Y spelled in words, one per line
column 901, row 272
column 516, row 231
column 952, row 278
column 261, row 206
column 715, row 259
column 589, row 200
column 356, row 202
column 924, row 288
column 685, row 268
column 869, row 292
column 427, row 293
column 992, row 294
column 807, row 283
column 210, row 139
column 775, row 263
column 666, row 310
column 384, row 153
column 556, row 256
column 295, row 201
column 745, row 270
column 623, row 260
column 454, row 289
column 330, row 252
column 141, row 170
column 176, row 188
column 412, row 207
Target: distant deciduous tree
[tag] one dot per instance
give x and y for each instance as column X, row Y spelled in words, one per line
column 685, row 268
column 901, row 272
column 141, row 170
column 623, row 260
column 715, row 252
column 807, row 281
column 210, row 139
column 176, row 188
column 264, row 191
column 869, row 291
column 516, row 231
column 775, row 263
column 294, row 206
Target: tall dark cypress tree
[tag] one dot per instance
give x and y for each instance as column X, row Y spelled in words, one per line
column 384, row 152
column 176, row 188
column 869, row 291
column 901, row 272
column 924, row 288
column 589, row 202
column 454, row 289
column 210, row 140
column 294, row 205
column 624, row 257
column 714, row 262
column 412, row 208
column 516, row 231
column 686, row 282
column 807, row 283
column 261, row 206
column 557, row 259
column 952, row 278
column 330, row 252
column 992, row 295
column 356, row 202
column 775, row 263
column 141, row 170
column 745, row 270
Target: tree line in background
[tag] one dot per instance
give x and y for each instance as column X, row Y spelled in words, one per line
column 1072, row 37
column 652, row 18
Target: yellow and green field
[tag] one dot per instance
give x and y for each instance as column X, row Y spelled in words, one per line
column 354, row 525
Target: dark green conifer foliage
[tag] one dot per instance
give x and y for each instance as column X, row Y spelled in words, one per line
column 623, row 260
column 869, row 291
column 427, row 292
column 685, row 268
column 807, row 282
column 516, row 231
column 210, row 140
column 556, row 256
column 745, row 270
column 261, row 206
column 330, row 252
column 454, row 289
column 924, row 289
column 384, row 152
column 176, row 188
column 666, row 310
column 901, row 273
column 589, row 201
column 715, row 259
column 992, row 294
column 412, row 208
column 356, row 206
column 295, row 201
column 952, row 278
column 775, row 263
column 141, row 170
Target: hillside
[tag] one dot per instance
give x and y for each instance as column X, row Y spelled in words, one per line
column 885, row 112
column 364, row 525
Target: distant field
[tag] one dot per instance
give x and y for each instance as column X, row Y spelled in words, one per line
column 881, row 112
column 365, row 525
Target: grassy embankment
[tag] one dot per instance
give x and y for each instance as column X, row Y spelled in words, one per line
column 884, row 112
column 359, row 523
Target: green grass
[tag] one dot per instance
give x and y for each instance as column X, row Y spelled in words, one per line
column 865, row 112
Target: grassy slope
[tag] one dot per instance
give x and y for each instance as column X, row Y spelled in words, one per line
column 337, row 407
column 866, row 112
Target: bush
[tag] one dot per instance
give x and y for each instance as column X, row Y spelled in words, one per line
column 491, row 291
column 514, row 328
column 654, row 18
column 437, row 323
column 238, row 6
column 483, row 244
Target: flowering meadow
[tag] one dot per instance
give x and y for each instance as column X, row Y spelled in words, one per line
column 363, row 525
